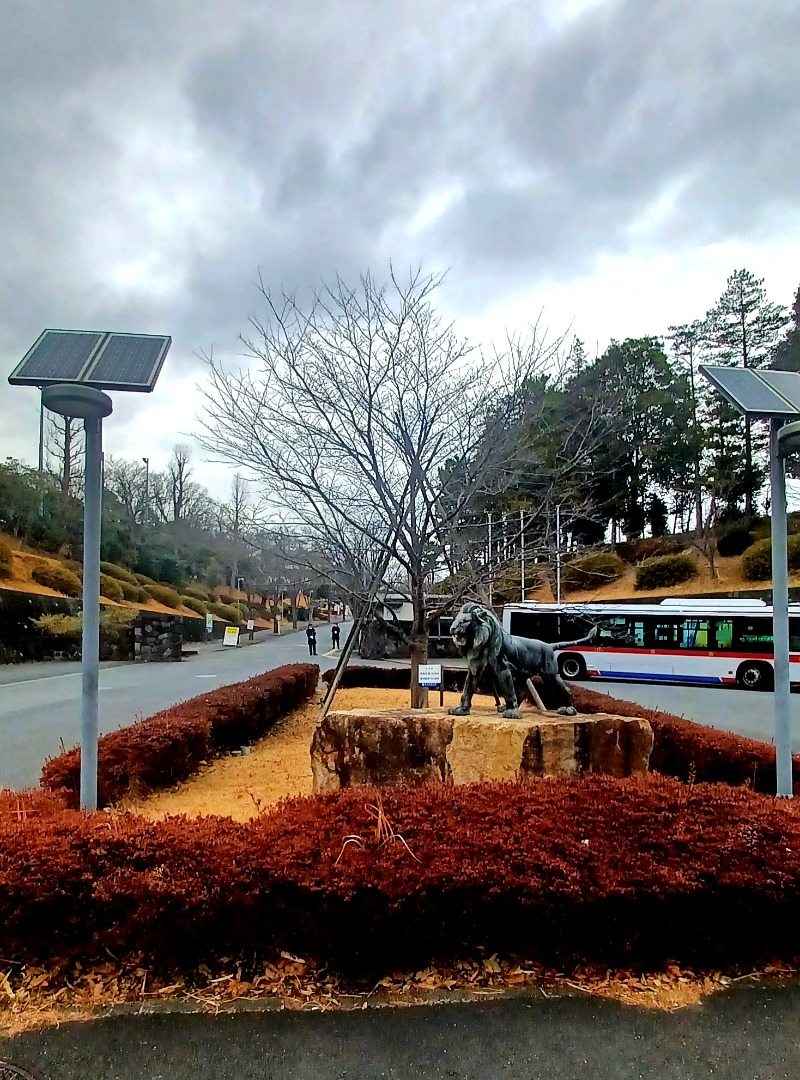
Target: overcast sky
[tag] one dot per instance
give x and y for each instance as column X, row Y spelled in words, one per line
column 607, row 161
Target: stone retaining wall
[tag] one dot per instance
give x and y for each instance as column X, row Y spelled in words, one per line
column 158, row 637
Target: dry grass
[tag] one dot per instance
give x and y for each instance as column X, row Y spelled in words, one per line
column 240, row 787
column 730, row 579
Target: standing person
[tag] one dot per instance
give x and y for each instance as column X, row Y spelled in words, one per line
column 335, row 635
column 311, row 634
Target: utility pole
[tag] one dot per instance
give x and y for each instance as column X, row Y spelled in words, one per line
column 558, row 553
column 522, row 553
column 490, row 560
column 146, row 461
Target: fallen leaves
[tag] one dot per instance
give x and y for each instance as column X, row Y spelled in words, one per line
column 36, row 996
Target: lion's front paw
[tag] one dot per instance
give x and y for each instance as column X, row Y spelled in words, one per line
column 511, row 714
column 459, row 710
column 567, row 710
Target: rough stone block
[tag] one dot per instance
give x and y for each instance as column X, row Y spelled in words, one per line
column 367, row 746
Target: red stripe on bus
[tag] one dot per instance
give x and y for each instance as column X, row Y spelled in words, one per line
column 717, row 654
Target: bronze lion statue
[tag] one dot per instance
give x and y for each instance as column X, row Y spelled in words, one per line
column 511, row 660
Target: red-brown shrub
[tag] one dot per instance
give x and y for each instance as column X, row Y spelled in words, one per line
column 168, row 747
column 592, row 871
column 155, row 753
column 687, row 750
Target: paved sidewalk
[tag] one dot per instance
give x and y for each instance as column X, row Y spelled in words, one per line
column 747, row 1034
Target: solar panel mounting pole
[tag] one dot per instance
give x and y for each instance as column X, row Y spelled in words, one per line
column 91, row 406
column 780, row 615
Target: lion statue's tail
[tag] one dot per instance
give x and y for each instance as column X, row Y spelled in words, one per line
column 571, row 644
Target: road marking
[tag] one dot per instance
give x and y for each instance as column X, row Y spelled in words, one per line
column 46, row 678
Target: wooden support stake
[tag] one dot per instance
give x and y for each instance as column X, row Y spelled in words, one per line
column 537, row 701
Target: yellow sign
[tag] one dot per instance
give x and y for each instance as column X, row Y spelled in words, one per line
column 231, row 635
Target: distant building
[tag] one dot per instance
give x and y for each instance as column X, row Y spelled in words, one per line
column 393, row 607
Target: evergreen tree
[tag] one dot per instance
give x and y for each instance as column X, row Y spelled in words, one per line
column 744, row 328
column 786, row 356
column 686, row 340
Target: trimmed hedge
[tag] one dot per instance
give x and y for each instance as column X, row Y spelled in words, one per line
column 665, row 570
column 132, row 593
column 143, row 579
column 634, row 551
column 735, row 540
column 111, row 588
column 227, row 612
column 6, row 560
column 193, row 604
column 757, row 560
column 168, row 747
column 58, row 578
column 162, row 594
column 592, row 871
column 118, row 572
column 197, row 592
column 592, row 571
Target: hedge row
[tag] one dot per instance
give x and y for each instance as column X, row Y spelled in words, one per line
column 168, row 747
column 681, row 748
column 590, row 871
column 690, row 751
column 665, row 570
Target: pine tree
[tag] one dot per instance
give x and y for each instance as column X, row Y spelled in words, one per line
column 744, row 328
column 786, row 356
column 686, row 340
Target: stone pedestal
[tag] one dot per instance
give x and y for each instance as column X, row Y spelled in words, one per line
column 368, row 746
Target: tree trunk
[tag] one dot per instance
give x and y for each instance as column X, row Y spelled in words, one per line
column 419, row 655
column 748, row 468
column 419, row 642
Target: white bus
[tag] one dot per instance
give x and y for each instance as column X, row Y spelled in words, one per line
column 713, row 642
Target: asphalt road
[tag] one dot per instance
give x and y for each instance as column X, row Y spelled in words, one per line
column 742, row 712
column 40, row 703
column 747, row 1035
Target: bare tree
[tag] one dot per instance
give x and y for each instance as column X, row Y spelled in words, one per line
column 233, row 518
column 370, row 421
column 126, row 480
column 65, row 451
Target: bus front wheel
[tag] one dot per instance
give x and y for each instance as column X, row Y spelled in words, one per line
column 571, row 666
column 755, row 676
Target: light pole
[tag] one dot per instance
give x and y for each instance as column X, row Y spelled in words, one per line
column 558, row 553
column 91, row 406
column 146, row 520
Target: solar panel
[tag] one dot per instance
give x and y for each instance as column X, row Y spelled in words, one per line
column 57, row 356
column 748, row 392
column 786, row 383
column 128, row 362
column 96, row 358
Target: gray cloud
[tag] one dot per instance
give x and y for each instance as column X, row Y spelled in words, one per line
column 154, row 156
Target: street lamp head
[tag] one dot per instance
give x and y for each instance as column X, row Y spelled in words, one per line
column 77, row 400
column 789, row 439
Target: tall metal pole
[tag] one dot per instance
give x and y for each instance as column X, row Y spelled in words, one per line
column 146, row 461
column 522, row 553
column 490, row 560
column 780, row 616
column 41, row 454
column 558, row 553
column 90, row 645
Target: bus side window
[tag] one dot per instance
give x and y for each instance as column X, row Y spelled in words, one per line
column 666, row 635
column 723, row 631
column 794, row 635
column 636, row 633
column 754, row 635
column 694, row 634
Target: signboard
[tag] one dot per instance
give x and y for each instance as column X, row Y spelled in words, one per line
column 231, row 635
column 250, row 624
column 430, row 675
column 209, row 623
